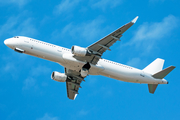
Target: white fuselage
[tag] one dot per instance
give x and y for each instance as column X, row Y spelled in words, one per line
column 64, row 57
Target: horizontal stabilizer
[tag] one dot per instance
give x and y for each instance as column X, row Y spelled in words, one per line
column 152, row 88
column 163, row 73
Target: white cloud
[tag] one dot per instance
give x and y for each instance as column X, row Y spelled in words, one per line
column 65, row 6
column 148, row 34
column 26, row 28
column 39, row 70
column 29, row 83
column 134, row 62
column 103, row 4
column 90, row 30
column 20, row 3
column 9, row 69
column 83, row 112
column 147, row 38
column 7, row 27
column 47, row 117
column 10, row 65
column 17, row 25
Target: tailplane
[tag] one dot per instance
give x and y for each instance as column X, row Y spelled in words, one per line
column 161, row 74
column 155, row 69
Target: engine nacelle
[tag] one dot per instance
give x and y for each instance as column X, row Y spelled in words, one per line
column 57, row 76
column 84, row 72
column 79, row 51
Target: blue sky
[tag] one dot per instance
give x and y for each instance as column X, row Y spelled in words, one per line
column 26, row 89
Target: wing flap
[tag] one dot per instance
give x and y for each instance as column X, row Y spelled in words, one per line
column 72, row 89
column 73, row 83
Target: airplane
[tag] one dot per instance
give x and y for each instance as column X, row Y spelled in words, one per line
column 80, row 62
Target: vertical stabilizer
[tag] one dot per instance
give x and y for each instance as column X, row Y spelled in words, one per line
column 155, row 66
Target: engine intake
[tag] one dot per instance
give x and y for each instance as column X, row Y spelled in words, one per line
column 79, row 51
column 57, row 76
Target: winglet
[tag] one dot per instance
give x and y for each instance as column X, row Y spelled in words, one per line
column 75, row 96
column 135, row 19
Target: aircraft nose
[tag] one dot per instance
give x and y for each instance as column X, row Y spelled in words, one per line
column 6, row 42
column 9, row 43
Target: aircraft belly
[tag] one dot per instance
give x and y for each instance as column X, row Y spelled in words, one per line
column 71, row 62
column 96, row 69
column 74, row 64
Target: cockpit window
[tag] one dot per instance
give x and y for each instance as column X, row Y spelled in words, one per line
column 16, row 37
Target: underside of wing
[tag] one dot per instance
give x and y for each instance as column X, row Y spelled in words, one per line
column 72, row 91
column 73, row 83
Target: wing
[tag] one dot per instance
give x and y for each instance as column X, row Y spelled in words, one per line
column 97, row 49
column 73, row 83
column 105, row 43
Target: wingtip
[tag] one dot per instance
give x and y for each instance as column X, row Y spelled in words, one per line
column 135, row 19
column 173, row 66
column 75, row 96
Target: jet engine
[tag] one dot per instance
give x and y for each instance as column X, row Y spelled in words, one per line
column 79, row 51
column 57, row 76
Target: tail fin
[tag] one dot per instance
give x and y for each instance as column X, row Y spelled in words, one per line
column 155, row 66
column 152, row 88
column 163, row 73
column 155, row 69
